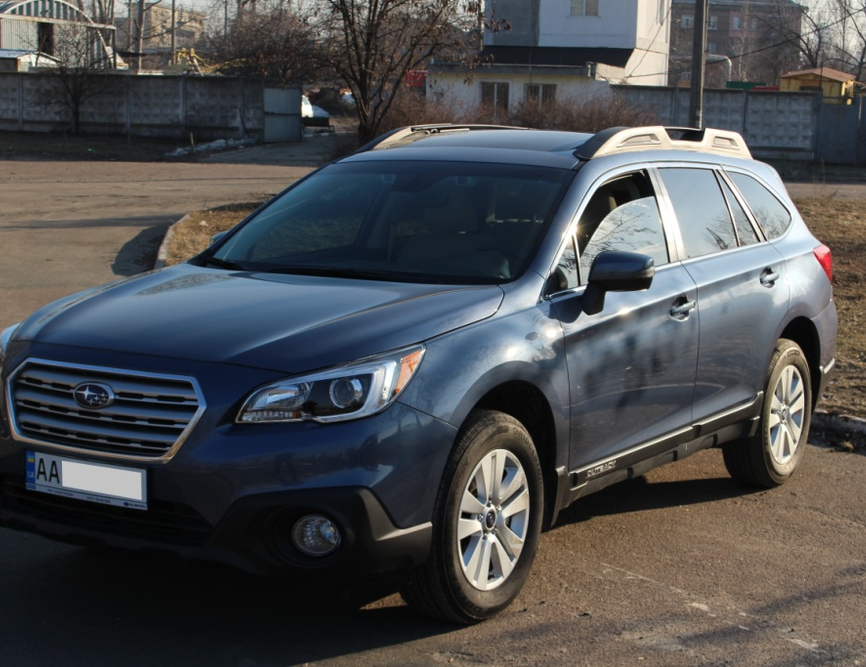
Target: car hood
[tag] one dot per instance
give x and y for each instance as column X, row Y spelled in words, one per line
column 277, row 322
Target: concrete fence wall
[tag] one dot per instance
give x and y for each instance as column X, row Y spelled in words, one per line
column 164, row 106
column 774, row 125
column 790, row 126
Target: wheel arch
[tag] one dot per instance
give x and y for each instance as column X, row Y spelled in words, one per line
column 526, row 403
column 803, row 332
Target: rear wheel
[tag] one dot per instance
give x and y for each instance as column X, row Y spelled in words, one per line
column 770, row 457
column 486, row 524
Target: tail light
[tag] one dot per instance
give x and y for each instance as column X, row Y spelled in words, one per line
column 825, row 259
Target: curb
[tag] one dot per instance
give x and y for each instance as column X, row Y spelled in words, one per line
column 162, row 254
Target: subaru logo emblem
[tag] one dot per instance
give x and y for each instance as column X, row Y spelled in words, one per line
column 93, row 396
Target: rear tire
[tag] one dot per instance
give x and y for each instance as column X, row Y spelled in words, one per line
column 486, row 524
column 771, row 456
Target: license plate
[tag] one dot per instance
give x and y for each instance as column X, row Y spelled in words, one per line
column 94, row 482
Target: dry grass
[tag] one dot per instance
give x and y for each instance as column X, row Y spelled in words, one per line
column 837, row 222
column 193, row 234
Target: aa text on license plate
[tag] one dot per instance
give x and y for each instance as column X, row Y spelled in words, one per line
column 94, row 482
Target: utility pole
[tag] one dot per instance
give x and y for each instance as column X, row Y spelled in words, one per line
column 699, row 52
column 173, row 33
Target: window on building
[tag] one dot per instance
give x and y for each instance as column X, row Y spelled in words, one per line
column 584, row 7
column 712, row 47
column 688, row 22
column 753, row 24
column 494, row 95
column 713, row 23
column 736, row 23
column 46, row 38
column 539, row 93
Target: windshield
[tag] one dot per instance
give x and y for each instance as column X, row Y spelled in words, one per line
column 404, row 221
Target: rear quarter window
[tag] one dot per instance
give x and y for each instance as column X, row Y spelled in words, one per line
column 773, row 217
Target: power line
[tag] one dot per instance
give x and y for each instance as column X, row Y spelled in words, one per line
column 789, row 40
column 658, row 30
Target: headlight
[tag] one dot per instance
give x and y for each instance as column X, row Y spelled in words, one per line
column 346, row 392
column 5, row 337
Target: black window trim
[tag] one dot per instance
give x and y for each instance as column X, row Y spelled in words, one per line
column 722, row 174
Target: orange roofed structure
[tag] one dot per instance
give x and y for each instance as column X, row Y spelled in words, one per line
column 836, row 87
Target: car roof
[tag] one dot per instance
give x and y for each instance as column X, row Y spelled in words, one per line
column 517, row 145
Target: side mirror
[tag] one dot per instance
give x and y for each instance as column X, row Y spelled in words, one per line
column 616, row 271
column 216, row 237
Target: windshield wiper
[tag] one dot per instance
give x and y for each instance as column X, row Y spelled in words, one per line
column 223, row 264
column 360, row 274
column 330, row 272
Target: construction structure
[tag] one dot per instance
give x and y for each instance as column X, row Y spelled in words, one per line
column 155, row 33
column 34, row 33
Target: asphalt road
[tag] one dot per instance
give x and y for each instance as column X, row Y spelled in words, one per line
column 681, row 567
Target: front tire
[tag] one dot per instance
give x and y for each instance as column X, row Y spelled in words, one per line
column 486, row 525
column 770, row 457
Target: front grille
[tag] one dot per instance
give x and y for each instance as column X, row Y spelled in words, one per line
column 162, row 522
column 148, row 419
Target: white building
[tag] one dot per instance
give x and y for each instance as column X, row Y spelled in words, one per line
column 559, row 49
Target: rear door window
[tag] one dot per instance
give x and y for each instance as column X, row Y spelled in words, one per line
column 702, row 212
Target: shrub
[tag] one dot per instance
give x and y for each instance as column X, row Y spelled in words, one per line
column 578, row 115
column 584, row 115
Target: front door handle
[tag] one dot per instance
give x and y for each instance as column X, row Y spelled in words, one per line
column 682, row 307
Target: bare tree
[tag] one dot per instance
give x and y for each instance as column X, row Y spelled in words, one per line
column 807, row 36
column 832, row 34
column 79, row 71
column 101, row 12
column 372, row 45
column 847, row 50
column 148, row 24
column 271, row 41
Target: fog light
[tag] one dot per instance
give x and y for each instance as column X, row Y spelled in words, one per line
column 315, row 535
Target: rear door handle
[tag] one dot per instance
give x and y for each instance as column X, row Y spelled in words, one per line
column 769, row 277
column 682, row 307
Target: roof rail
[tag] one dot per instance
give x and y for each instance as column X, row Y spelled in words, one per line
column 621, row 139
column 410, row 133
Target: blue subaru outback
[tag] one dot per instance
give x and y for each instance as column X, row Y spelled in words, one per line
column 414, row 358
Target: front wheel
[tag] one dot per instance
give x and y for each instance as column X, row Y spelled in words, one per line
column 486, row 524
column 770, row 457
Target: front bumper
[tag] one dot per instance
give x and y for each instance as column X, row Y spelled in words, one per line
column 254, row 535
